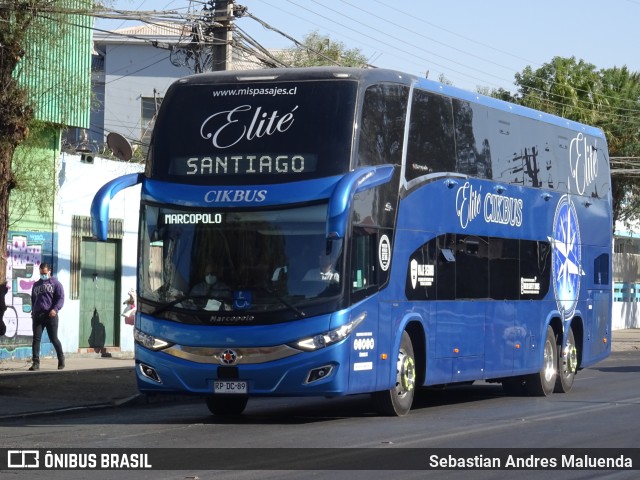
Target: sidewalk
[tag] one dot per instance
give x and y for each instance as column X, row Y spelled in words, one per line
column 92, row 382
column 86, row 382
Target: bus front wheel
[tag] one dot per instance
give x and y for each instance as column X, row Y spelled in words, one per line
column 227, row 405
column 397, row 401
column 543, row 382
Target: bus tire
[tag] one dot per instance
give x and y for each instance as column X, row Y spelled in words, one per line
column 227, row 405
column 397, row 401
column 542, row 383
column 567, row 364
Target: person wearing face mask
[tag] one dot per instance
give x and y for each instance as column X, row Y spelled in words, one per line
column 47, row 298
column 210, row 293
column 325, row 271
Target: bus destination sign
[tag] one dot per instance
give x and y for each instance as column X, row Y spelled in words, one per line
column 244, row 164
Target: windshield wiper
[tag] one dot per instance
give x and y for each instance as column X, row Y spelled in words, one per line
column 267, row 290
column 283, row 301
column 189, row 296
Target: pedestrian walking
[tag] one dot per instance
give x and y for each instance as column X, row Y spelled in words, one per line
column 47, row 298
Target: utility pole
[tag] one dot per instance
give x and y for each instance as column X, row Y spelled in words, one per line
column 211, row 37
column 222, row 35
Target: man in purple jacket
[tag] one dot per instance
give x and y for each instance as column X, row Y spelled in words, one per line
column 47, row 298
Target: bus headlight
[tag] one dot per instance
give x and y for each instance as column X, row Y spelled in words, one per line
column 323, row 340
column 149, row 341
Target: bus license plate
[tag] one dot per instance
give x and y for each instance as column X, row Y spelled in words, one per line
column 230, row 386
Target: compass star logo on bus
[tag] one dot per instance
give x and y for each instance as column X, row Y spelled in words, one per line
column 566, row 263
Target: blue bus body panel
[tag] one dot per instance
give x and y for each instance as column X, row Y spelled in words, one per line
column 484, row 339
column 339, row 189
column 465, row 340
column 238, row 195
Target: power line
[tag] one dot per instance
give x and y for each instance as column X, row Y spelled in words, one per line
column 587, row 107
column 296, row 42
column 249, row 46
column 548, row 82
column 151, row 17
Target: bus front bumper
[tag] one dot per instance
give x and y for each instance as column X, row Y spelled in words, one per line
column 323, row 372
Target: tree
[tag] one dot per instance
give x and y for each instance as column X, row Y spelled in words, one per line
column 38, row 93
column 16, row 109
column 566, row 87
column 621, row 124
column 318, row 50
column 608, row 99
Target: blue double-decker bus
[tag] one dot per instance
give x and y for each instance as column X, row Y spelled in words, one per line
column 336, row 231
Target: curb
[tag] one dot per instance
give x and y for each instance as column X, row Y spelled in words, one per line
column 139, row 399
column 57, row 411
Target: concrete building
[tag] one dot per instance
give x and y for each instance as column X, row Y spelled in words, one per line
column 131, row 71
column 95, row 275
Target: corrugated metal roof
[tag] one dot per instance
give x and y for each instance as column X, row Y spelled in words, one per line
column 156, row 30
column 57, row 66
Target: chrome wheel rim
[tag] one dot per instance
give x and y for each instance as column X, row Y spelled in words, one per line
column 549, row 367
column 570, row 359
column 406, row 379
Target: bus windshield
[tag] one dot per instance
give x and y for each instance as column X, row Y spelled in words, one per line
column 238, row 261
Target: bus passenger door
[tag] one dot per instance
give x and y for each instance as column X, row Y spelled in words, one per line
column 502, row 334
column 597, row 340
column 364, row 280
column 460, row 331
column 598, row 326
column 460, row 334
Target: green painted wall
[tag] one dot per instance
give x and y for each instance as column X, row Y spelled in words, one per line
column 36, row 165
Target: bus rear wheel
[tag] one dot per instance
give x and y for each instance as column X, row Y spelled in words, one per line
column 543, row 382
column 227, row 405
column 397, row 401
column 567, row 364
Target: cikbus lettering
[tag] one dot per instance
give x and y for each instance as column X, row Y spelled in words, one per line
column 500, row 209
column 225, row 129
column 235, row 196
column 503, row 209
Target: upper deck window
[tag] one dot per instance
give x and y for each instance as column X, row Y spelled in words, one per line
column 449, row 134
column 431, row 146
column 384, row 113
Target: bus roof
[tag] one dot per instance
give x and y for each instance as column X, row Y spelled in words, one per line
column 376, row 75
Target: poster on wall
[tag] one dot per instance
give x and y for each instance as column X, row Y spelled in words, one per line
column 25, row 251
